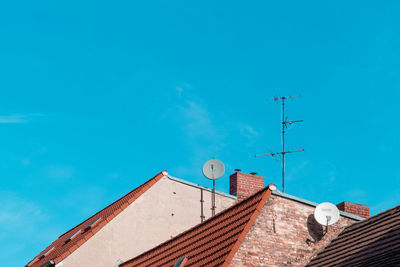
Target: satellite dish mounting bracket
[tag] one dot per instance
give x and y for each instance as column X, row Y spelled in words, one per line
column 213, row 169
column 326, row 214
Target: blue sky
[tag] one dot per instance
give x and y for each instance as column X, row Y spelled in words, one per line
column 97, row 97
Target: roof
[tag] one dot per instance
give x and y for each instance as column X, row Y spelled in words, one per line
column 372, row 242
column 211, row 243
column 311, row 203
column 200, row 186
column 75, row 237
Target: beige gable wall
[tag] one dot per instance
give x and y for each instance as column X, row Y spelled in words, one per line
column 279, row 235
column 147, row 222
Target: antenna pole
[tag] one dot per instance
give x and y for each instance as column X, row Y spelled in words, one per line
column 213, row 199
column 284, row 125
column 283, row 144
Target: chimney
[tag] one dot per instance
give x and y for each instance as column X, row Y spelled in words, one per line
column 354, row 208
column 243, row 185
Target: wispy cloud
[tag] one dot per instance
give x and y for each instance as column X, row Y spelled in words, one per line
column 203, row 134
column 60, row 172
column 248, row 131
column 183, row 88
column 208, row 132
column 15, row 212
column 19, row 220
column 18, row 118
column 198, row 121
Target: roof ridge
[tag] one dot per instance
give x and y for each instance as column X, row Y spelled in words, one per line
column 370, row 229
column 179, row 180
column 148, row 181
column 265, row 192
column 374, row 218
column 356, row 242
column 247, row 228
column 359, row 251
column 349, row 247
column 63, row 248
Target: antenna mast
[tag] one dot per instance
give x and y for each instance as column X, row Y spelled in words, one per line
column 284, row 124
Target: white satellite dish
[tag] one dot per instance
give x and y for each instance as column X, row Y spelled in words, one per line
column 213, row 169
column 326, row 214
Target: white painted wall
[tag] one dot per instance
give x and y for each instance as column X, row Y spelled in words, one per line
column 147, row 222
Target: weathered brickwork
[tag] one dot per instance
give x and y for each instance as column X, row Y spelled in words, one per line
column 284, row 234
column 354, row 208
column 243, row 185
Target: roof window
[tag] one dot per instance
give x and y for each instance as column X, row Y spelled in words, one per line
column 32, row 261
column 181, row 262
column 93, row 224
column 72, row 236
column 46, row 252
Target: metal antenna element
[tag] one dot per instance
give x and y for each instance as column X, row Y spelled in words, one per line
column 285, row 124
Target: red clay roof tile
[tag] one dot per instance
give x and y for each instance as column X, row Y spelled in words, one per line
column 211, row 243
column 371, row 242
column 62, row 249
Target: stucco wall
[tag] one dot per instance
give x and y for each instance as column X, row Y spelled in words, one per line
column 280, row 235
column 168, row 208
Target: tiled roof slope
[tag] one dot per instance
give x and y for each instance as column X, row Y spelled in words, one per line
column 72, row 239
column 211, row 243
column 372, row 242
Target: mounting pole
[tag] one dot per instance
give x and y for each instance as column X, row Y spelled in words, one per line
column 284, row 125
column 213, row 191
column 213, row 199
column 283, row 144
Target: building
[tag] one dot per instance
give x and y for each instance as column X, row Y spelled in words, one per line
column 160, row 224
column 269, row 228
column 159, row 209
column 372, row 242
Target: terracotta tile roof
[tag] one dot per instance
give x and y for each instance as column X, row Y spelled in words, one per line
column 75, row 237
column 211, row 243
column 371, row 242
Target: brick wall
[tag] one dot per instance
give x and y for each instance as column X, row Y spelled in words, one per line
column 244, row 185
column 284, row 234
column 354, row 208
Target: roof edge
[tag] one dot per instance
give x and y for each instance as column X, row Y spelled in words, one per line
column 150, row 182
column 157, row 177
column 266, row 189
column 248, row 226
column 199, row 186
column 314, row 204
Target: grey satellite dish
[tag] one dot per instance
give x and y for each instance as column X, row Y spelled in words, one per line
column 213, row 169
column 326, row 214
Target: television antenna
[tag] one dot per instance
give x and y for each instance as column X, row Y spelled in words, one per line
column 326, row 214
column 213, row 169
column 285, row 123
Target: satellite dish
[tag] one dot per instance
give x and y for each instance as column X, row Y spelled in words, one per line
column 326, row 214
column 213, row 169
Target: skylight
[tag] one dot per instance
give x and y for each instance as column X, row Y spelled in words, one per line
column 181, row 262
column 32, row 261
column 72, row 236
column 93, row 224
column 46, row 252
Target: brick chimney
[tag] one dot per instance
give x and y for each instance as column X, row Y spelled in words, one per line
column 354, row 208
column 243, row 185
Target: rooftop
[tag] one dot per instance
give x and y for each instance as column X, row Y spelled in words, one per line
column 371, row 242
column 211, row 243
